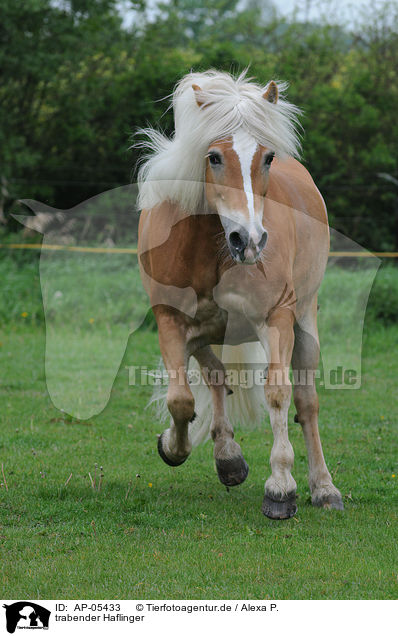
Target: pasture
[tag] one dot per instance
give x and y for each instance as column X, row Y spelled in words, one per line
column 177, row 532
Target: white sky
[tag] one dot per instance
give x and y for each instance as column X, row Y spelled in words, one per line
column 343, row 10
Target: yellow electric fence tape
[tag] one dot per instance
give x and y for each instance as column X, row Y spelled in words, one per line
column 133, row 250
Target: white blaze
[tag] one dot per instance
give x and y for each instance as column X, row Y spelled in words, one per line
column 245, row 146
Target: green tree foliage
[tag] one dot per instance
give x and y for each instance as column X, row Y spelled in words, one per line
column 77, row 78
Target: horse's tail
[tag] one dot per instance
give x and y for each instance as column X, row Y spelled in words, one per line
column 245, row 365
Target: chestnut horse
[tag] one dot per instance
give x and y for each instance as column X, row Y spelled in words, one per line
column 233, row 245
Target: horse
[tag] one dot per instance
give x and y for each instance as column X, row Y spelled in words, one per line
column 233, row 245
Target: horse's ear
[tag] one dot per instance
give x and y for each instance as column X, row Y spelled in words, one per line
column 271, row 94
column 197, row 90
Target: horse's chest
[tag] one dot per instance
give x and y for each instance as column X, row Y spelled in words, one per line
column 244, row 292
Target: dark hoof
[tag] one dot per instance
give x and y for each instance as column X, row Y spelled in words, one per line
column 232, row 472
column 279, row 509
column 329, row 502
column 163, row 455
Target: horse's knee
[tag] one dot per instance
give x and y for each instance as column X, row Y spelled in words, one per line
column 278, row 397
column 181, row 405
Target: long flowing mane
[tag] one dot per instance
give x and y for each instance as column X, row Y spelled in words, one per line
column 174, row 168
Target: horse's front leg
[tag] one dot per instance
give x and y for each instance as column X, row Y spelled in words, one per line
column 232, row 468
column 280, row 489
column 174, row 444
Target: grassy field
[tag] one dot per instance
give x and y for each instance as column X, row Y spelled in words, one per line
column 177, row 532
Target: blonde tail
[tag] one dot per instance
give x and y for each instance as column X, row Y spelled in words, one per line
column 246, row 406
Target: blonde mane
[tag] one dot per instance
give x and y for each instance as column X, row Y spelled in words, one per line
column 174, row 169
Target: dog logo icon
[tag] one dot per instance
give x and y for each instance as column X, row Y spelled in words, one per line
column 26, row 615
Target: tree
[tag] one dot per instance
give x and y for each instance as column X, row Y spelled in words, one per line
column 76, row 81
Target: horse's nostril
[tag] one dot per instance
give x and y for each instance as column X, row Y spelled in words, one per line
column 237, row 241
column 263, row 240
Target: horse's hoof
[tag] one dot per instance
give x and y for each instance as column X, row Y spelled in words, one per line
column 329, row 502
column 166, row 459
column 232, row 472
column 279, row 509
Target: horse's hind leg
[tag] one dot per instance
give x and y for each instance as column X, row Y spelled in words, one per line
column 305, row 361
column 230, row 463
column 174, row 445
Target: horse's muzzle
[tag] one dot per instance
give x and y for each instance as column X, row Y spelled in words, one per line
column 244, row 247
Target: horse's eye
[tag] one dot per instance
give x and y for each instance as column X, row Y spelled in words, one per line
column 268, row 159
column 215, row 159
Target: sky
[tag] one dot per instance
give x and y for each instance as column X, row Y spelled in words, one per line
column 342, row 11
column 345, row 10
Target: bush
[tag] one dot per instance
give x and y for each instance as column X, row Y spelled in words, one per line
column 383, row 299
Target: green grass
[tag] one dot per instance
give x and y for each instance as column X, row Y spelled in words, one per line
column 177, row 532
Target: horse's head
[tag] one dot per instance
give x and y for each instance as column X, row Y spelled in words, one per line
column 236, row 182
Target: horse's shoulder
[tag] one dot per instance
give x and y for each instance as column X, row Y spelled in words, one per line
column 161, row 217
